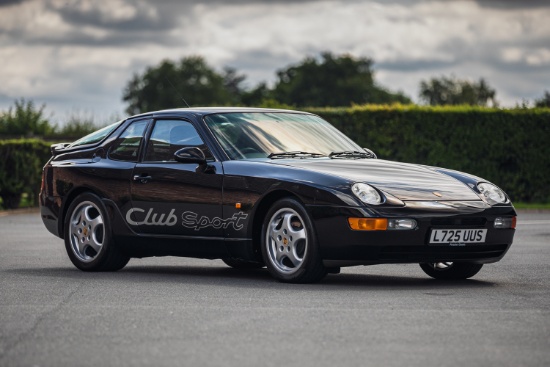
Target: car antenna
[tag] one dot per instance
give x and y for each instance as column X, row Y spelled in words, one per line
column 177, row 91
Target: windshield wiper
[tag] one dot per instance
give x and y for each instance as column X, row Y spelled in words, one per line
column 350, row 154
column 295, row 154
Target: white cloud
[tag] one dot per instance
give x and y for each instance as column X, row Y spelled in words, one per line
column 80, row 53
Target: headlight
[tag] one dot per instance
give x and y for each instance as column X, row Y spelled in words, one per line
column 366, row 193
column 492, row 194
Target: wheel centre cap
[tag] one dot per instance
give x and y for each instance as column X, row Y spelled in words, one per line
column 85, row 231
column 285, row 241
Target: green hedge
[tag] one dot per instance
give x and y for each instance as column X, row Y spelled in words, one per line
column 21, row 163
column 508, row 147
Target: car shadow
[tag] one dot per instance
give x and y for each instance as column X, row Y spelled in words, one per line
column 226, row 276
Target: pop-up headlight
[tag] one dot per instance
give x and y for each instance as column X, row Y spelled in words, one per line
column 492, row 194
column 366, row 193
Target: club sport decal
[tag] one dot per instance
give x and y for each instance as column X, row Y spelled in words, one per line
column 189, row 220
column 151, row 218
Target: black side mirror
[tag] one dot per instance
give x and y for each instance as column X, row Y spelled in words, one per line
column 370, row 152
column 190, row 155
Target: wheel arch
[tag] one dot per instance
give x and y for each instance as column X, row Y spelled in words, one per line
column 259, row 215
column 67, row 203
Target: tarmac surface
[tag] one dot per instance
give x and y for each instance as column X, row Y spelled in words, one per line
column 189, row 312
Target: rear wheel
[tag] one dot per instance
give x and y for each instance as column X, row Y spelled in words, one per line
column 450, row 270
column 88, row 238
column 289, row 246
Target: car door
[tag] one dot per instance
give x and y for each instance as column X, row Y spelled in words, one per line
column 173, row 198
column 114, row 174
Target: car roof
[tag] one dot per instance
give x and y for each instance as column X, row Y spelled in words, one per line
column 202, row 111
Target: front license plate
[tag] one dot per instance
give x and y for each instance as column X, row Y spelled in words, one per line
column 457, row 236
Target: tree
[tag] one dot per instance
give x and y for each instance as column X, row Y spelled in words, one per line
column 331, row 81
column 453, row 91
column 256, row 96
column 25, row 120
column 232, row 82
column 544, row 101
column 165, row 85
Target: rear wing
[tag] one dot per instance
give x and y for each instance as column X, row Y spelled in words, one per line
column 58, row 148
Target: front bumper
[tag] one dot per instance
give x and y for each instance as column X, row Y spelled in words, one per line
column 341, row 246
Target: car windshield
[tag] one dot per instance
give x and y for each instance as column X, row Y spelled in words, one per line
column 277, row 134
column 96, row 136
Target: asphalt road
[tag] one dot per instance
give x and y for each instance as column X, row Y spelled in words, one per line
column 186, row 312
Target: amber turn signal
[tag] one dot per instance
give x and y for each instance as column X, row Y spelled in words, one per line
column 368, row 224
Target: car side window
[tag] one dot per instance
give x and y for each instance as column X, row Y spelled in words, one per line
column 126, row 147
column 170, row 136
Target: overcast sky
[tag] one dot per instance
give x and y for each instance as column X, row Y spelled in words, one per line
column 77, row 55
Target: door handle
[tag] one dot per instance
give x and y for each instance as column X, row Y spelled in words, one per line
column 142, row 179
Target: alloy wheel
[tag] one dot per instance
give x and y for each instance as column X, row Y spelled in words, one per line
column 286, row 240
column 87, row 231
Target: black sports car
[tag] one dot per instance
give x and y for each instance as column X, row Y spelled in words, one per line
column 264, row 187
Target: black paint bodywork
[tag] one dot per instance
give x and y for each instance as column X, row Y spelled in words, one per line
column 322, row 185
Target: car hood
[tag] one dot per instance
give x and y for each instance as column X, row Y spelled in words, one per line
column 403, row 180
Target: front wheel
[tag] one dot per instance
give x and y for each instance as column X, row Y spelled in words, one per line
column 88, row 238
column 289, row 245
column 450, row 270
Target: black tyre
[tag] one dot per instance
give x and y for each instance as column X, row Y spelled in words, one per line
column 242, row 264
column 88, row 238
column 289, row 245
column 450, row 270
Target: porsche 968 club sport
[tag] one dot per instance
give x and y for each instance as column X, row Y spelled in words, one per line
column 264, row 187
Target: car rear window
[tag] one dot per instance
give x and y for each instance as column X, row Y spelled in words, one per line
column 96, row 136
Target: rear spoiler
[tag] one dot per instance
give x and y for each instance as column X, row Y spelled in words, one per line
column 58, row 148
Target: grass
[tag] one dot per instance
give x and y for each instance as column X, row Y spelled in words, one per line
column 532, row 205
